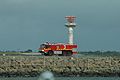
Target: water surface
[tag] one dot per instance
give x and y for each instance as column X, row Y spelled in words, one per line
column 62, row 78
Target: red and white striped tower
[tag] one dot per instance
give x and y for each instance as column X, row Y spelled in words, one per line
column 70, row 25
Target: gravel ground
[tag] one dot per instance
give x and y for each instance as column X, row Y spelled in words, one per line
column 65, row 66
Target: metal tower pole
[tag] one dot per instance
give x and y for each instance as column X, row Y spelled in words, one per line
column 70, row 25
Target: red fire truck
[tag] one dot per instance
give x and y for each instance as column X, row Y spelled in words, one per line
column 57, row 49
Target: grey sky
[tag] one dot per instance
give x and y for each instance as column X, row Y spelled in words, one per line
column 25, row 24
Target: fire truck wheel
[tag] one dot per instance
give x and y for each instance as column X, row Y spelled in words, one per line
column 64, row 53
column 69, row 53
column 50, row 53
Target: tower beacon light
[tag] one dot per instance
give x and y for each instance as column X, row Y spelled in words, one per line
column 70, row 25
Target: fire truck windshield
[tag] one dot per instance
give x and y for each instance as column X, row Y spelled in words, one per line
column 44, row 46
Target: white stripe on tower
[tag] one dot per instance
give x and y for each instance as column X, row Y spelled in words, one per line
column 70, row 31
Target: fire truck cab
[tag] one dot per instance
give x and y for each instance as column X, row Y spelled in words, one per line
column 57, row 49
